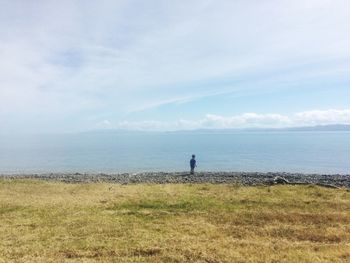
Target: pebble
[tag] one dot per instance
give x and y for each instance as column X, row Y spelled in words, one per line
column 244, row 178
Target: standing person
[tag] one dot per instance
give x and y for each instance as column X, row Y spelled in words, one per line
column 193, row 163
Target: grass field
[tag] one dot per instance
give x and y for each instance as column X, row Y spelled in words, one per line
column 56, row 222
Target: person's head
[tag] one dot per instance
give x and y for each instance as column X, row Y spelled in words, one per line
column 193, row 156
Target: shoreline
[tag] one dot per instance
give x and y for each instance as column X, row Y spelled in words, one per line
column 243, row 178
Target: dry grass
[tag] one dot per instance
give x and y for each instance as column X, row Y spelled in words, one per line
column 57, row 222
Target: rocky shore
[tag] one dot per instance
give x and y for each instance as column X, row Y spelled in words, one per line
column 243, row 178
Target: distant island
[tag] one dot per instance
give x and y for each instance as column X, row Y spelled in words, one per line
column 332, row 127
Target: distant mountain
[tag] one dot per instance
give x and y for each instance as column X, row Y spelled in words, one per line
column 334, row 127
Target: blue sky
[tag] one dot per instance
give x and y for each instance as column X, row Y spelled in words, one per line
column 69, row 66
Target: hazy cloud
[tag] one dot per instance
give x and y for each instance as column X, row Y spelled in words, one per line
column 103, row 124
column 246, row 120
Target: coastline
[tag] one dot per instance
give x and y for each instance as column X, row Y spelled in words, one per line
column 243, row 178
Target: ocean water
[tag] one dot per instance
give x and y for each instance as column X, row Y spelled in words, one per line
column 308, row 152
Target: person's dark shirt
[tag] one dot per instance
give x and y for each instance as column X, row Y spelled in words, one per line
column 193, row 163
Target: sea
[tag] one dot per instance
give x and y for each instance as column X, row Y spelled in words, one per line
column 326, row 152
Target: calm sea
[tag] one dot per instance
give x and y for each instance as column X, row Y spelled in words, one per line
column 310, row 152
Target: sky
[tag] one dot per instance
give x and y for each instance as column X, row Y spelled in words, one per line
column 71, row 66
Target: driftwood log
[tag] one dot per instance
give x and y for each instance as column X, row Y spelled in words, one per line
column 281, row 180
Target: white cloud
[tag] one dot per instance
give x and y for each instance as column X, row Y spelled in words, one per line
column 331, row 116
column 246, row 120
